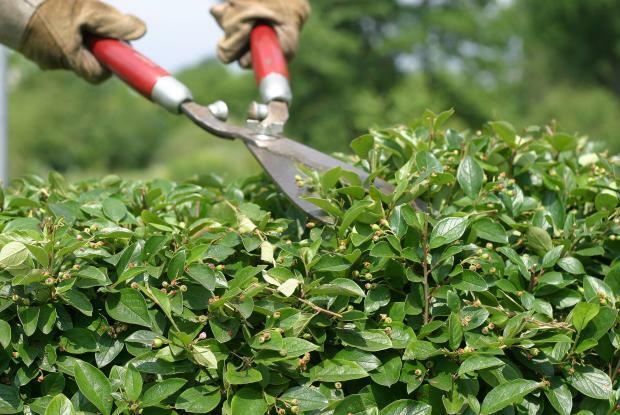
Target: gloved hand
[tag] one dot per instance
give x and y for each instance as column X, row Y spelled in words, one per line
column 237, row 18
column 54, row 36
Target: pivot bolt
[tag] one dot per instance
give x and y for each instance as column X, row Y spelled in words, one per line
column 219, row 109
column 258, row 111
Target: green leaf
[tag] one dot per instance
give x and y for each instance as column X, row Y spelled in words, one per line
column 114, row 209
column 336, row 370
column 10, row 403
column 242, row 377
column 506, row 394
column 94, row 386
column 248, row 400
column 5, row 334
column 490, row 230
column 13, row 254
column 382, row 250
column 352, row 214
column 29, row 317
column 376, row 298
column 53, row 384
column 162, row 390
column 354, row 405
column 455, row 331
column 132, row 383
column 447, row 230
column 469, row 281
column 479, row 362
column 505, row 131
column 470, row 177
column 362, row 145
column 606, row 200
column 571, row 265
column 198, row 400
column 79, row 341
column 128, row 306
column 78, row 300
column 512, row 255
column 559, row 397
column 308, row 398
column 591, row 382
column 369, row 340
column 583, row 313
column 407, row 407
column 552, row 256
column 389, row 372
column 420, row 350
column 594, row 289
column 539, row 240
column 339, row 286
column 60, row 405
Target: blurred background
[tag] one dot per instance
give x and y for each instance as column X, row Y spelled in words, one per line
column 362, row 63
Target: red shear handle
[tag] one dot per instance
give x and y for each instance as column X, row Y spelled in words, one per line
column 269, row 64
column 139, row 72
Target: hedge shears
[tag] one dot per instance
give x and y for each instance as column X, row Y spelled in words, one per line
column 279, row 156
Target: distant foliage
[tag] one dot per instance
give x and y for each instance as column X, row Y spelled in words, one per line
column 131, row 297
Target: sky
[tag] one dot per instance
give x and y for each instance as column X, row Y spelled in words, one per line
column 180, row 33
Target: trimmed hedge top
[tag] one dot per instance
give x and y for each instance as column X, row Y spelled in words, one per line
column 156, row 297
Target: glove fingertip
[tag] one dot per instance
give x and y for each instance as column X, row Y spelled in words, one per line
column 245, row 61
column 136, row 28
column 89, row 68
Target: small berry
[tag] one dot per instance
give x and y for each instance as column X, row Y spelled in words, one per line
column 203, row 319
column 15, row 355
column 283, row 353
column 202, row 336
column 134, row 285
column 375, row 227
column 310, row 225
column 157, row 343
column 277, row 315
column 338, row 385
column 183, row 288
column 418, row 372
column 41, row 378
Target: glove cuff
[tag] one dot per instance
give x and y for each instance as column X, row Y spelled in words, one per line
column 14, row 18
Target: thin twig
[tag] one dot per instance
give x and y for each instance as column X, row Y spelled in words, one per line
column 319, row 309
column 310, row 304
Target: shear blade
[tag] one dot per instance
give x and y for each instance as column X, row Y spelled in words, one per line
column 280, row 158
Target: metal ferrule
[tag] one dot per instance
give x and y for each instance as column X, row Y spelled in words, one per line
column 170, row 93
column 276, row 87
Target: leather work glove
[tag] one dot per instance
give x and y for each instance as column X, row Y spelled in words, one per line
column 238, row 17
column 54, row 36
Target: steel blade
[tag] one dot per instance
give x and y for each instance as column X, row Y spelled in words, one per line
column 280, row 159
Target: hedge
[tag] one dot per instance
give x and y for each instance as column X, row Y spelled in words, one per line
column 134, row 297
